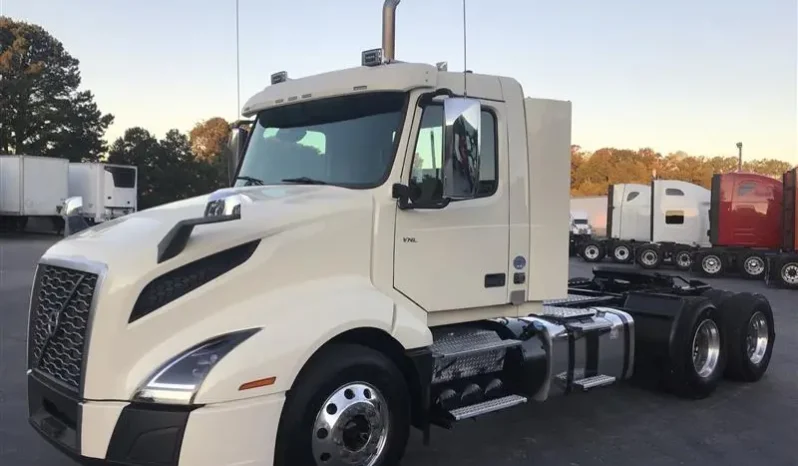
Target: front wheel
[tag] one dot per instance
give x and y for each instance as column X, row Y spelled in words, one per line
column 350, row 405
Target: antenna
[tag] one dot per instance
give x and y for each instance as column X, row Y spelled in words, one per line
column 465, row 54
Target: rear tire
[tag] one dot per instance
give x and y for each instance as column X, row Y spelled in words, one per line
column 752, row 265
column 710, row 264
column 698, row 352
column 749, row 331
column 349, row 404
column 683, row 259
column 649, row 257
column 788, row 272
column 622, row 253
column 592, row 251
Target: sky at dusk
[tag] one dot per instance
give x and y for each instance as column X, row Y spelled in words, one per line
column 697, row 76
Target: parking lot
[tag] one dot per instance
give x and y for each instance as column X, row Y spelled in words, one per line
column 740, row 425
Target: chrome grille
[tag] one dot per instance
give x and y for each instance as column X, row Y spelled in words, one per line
column 59, row 318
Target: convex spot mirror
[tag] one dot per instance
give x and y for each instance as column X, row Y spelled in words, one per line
column 461, row 142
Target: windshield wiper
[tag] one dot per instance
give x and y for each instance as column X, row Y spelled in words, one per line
column 303, row 180
column 250, row 180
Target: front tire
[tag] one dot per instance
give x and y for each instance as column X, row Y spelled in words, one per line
column 349, row 405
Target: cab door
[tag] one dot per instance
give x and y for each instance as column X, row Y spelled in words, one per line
column 457, row 256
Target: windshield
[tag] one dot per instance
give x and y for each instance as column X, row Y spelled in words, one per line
column 580, row 221
column 346, row 141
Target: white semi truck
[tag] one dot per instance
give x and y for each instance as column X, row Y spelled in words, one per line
column 664, row 223
column 329, row 301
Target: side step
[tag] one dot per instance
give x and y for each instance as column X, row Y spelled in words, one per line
column 594, row 382
column 467, row 412
column 589, row 382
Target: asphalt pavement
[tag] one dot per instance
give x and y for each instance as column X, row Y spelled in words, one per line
column 741, row 424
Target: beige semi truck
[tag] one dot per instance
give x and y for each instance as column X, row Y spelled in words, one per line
column 339, row 294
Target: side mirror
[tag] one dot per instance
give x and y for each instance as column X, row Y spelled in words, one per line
column 461, row 137
column 72, row 213
column 72, row 206
column 235, row 149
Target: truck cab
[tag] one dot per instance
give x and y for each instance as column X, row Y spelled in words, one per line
column 392, row 252
column 580, row 223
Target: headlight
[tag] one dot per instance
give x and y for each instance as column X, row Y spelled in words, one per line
column 178, row 380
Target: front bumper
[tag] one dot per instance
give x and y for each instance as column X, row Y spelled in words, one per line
column 130, row 434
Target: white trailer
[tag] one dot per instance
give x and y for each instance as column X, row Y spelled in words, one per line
column 32, row 186
column 108, row 190
column 333, row 297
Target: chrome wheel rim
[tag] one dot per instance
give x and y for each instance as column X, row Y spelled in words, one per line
column 591, row 252
column 648, row 257
column 683, row 259
column 757, row 338
column 622, row 253
column 711, row 264
column 706, row 348
column 789, row 273
column 351, row 428
column 754, row 266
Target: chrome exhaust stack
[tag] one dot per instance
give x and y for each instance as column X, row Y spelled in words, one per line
column 389, row 29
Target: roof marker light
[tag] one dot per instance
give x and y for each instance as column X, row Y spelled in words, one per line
column 279, row 77
column 372, row 57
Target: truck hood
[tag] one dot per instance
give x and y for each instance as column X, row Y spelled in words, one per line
column 132, row 241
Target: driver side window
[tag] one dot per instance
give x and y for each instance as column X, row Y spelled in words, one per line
column 426, row 178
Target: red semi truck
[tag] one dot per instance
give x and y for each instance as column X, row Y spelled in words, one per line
column 752, row 228
column 745, row 225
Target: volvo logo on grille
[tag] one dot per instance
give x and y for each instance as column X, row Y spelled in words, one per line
column 53, row 321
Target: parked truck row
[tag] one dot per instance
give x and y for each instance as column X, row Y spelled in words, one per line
column 36, row 187
column 745, row 224
column 328, row 301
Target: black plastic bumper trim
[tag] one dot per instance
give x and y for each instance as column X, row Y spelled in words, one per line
column 144, row 435
column 148, row 435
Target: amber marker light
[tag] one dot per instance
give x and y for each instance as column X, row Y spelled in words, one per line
column 257, row 383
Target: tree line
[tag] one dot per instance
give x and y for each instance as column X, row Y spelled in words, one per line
column 44, row 112
column 593, row 172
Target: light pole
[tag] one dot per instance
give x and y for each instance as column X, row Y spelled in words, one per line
column 238, row 69
column 740, row 156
